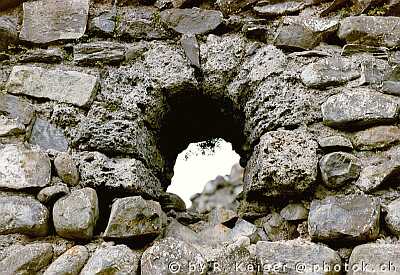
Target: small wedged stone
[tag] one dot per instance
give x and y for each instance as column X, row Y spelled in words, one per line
column 104, row 24
column 304, row 33
column 359, row 108
column 76, row 214
column 374, row 71
column 27, row 259
column 344, row 218
column 192, row 49
column 135, row 218
column 350, row 49
column 339, row 168
column 391, row 87
column 283, row 163
column 276, row 228
column 171, row 201
column 8, row 31
column 51, row 55
column 69, row 263
column 285, row 257
column 48, row 136
column 294, row 212
column 139, row 23
column 329, row 72
column 233, row 6
column 118, row 259
column 64, row 86
column 66, row 169
column 16, row 107
column 22, row 167
column 376, row 138
column 392, row 218
column 52, row 193
column 172, row 253
column 191, row 21
column 370, row 30
column 383, row 258
column 99, row 52
column 21, row 214
column 335, row 143
column 51, row 20
column 374, row 176
column 279, row 9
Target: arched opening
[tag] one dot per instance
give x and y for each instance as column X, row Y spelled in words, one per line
column 203, row 120
column 199, row 164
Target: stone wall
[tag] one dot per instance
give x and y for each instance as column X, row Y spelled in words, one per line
column 98, row 98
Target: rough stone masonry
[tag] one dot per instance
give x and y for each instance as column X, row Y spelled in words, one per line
column 98, row 97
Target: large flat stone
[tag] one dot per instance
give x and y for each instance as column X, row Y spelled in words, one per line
column 191, row 21
column 371, row 30
column 28, row 259
column 359, row 108
column 76, row 214
column 283, row 163
column 376, row 138
column 376, row 259
column 290, row 257
column 118, row 259
column 21, row 168
column 344, row 218
column 25, row 215
column 51, row 20
column 64, row 86
column 135, row 218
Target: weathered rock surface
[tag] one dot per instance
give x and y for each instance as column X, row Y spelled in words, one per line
column 64, row 86
column 104, row 24
column 192, row 49
column 359, row 108
column 392, row 218
column 374, row 176
column 304, row 33
column 51, row 20
column 22, row 168
column 353, row 217
column 335, row 143
column 11, row 127
column 135, row 218
column 120, row 175
column 171, row 201
column 28, row 259
column 233, row 6
column 20, row 214
column 339, row 168
column 69, row 263
column 276, row 228
column 370, row 30
column 52, row 193
column 76, row 214
column 381, row 258
column 329, row 72
column 51, row 55
column 117, row 259
column 99, row 52
column 284, row 163
column 15, row 107
column 376, row 138
column 66, row 169
column 294, row 212
column 278, row 9
column 8, row 31
column 191, row 21
column 158, row 258
column 48, row 136
column 281, row 257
